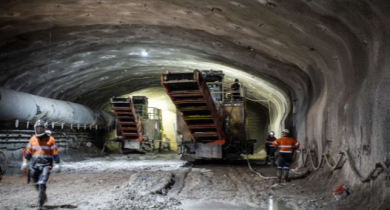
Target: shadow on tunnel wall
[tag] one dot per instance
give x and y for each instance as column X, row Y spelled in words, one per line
column 257, row 124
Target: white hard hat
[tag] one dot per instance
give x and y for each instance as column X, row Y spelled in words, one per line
column 286, row 131
column 48, row 132
column 42, row 124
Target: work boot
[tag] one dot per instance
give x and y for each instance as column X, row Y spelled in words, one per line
column 272, row 162
column 266, row 160
column 285, row 176
column 42, row 198
column 39, row 206
column 279, row 176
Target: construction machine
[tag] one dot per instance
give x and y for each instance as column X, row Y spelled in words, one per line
column 211, row 119
column 139, row 126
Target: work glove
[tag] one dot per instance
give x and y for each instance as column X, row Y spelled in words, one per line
column 48, row 132
column 56, row 168
column 24, row 166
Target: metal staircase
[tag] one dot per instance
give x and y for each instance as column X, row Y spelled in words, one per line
column 191, row 96
column 128, row 122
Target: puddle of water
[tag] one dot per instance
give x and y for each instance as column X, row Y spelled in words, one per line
column 214, row 205
column 65, row 206
column 276, row 205
column 121, row 164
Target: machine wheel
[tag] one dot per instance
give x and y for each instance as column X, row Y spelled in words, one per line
column 185, row 150
column 3, row 163
column 179, row 149
column 160, row 145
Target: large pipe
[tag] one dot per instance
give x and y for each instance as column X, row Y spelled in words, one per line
column 15, row 105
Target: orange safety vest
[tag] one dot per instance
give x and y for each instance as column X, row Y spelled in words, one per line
column 269, row 141
column 42, row 148
column 286, row 144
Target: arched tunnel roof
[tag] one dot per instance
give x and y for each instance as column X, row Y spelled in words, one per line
column 304, row 55
column 89, row 51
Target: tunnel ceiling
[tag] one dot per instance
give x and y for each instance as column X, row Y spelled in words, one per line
column 72, row 49
column 88, row 51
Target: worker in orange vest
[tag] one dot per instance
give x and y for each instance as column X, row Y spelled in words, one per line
column 42, row 152
column 270, row 148
column 286, row 147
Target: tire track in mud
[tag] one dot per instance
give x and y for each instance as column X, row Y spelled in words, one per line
column 168, row 186
column 235, row 184
column 179, row 179
column 245, row 190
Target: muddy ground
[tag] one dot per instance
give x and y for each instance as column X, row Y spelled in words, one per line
column 163, row 181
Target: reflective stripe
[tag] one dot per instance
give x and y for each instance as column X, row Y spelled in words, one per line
column 285, row 151
column 43, row 147
column 286, row 168
column 40, row 147
column 276, row 142
column 43, row 156
column 280, row 167
column 285, row 146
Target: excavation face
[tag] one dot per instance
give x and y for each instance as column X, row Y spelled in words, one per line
column 319, row 68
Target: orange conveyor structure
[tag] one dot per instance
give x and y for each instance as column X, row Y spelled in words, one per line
column 191, row 96
column 128, row 121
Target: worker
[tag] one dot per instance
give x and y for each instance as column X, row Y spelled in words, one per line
column 286, row 146
column 41, row 152
column 270, row 148
column 235, row 89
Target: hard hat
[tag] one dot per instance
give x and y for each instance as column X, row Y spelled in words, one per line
column 40, row 128
column 236, row 80
column 286, row 131
column 271, row 133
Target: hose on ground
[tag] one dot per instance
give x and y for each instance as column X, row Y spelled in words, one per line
column 345, row 153
column 333, row 167
column 259, row 174
column 369, row 175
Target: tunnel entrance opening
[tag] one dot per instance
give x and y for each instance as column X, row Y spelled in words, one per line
column 256, row 116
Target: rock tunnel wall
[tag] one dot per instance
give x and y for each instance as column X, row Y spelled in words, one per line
column 329, row 59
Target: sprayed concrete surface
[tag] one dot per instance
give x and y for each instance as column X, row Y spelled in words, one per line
column 162, row 181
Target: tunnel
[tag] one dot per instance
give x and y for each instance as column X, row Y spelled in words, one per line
column 316, row 67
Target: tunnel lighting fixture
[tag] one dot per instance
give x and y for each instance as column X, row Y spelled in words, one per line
column 144, row 53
